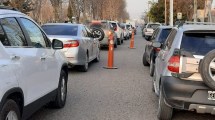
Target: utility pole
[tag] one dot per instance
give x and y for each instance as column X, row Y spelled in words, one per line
column 195, row 11
column 165, row 13
column 171, row 13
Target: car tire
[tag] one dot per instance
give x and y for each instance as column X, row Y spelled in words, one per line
column 115, row 45
column 118, row 41
column 151, row 68
column 164, row 111
column 61, row 96
column 145, row 63
column 205, row 69
column 84, row 68
column 98, row 33
column 10, row 109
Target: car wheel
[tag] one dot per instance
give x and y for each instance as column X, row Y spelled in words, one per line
column 61, row 96
column 118, row 41
column 10, row 111
column 152, row 68
column 207, row 68
column 84, row 68
column 98, row 56
column 164, row 111
column 145, row 63
column 115, row 45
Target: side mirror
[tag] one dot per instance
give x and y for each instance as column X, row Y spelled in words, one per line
column 156, row 44
column 57, row 44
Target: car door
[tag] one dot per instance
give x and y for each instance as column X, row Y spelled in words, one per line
column 90, row 43
column 95, row 43
column 29, row 65
column 50, row 74
column 149, row 47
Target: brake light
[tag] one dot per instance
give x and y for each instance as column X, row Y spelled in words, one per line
column 174, row 64
column 157, row 49
column 71, row 43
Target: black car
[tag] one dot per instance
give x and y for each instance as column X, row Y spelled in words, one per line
column 159, row 35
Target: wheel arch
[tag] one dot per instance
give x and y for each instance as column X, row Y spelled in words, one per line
column 15, row 94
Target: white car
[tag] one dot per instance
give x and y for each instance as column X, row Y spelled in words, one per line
column 32, row 71
column 119, row 32
column 80, row 47
column 150, row 27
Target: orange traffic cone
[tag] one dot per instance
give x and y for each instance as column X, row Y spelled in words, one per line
column 132, row 41
column 111, row 53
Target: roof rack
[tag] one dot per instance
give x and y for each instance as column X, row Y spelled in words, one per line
column 8, row 8
column 194, row 23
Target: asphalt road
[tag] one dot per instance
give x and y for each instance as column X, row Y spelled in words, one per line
column 122, row 94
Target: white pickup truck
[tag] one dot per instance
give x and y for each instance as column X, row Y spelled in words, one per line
column 150, row 27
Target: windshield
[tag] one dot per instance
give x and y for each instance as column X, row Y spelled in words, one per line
column 61, row 30
column 198, row 43
column 153, row 26
column 164, row 34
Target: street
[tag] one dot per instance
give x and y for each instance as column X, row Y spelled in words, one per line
column 121, row 94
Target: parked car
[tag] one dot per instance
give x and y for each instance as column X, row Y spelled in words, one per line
column 80, row 47
column 142, row 29
column 150, row 27
column 177, row 78
column 107, row 27
column 159, row 35
column 33, row 72
column 129, row 27
column 126, row 31
column 119, row 32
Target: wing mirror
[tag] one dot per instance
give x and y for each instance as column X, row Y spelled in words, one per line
column 156, row 44
column 57, row 44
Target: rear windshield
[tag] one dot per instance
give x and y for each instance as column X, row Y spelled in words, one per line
column 164, row 34
column 60, row 30
column 198, row 43
column 128, row 26
column 99, row 25
column 153, row 26
column 114, row 25
column 122, row 26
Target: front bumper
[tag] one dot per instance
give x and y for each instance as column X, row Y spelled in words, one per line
column 187, row 95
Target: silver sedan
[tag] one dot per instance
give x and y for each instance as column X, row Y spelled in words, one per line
column 80, row 47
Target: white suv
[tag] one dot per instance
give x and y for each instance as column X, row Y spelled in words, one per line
column 119, row 32
column 32, row 72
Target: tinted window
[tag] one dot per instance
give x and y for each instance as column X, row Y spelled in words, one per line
column 13, row 32
column 61, row 30
column 114, row 25
column 34, row 33
column 153, row 26
column 198, row 43
column 3, row 38
column 163, row 35
column 170, row 38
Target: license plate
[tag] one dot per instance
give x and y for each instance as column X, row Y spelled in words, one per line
column 211, row 95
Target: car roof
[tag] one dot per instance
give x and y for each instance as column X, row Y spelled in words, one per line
column 67, row 24
column 197, row 27
column 8, row 11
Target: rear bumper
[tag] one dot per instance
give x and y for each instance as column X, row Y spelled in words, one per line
column 148, row 33
column 74, row 56
column 187, row 95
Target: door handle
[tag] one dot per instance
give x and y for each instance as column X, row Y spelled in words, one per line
column 14, row 57
column 42, row 58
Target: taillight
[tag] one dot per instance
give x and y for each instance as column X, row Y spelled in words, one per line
column 71, row 43
column 174, row 64
column 157, row 49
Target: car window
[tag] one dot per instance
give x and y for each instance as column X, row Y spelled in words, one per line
column 198, row 43
column 170, row 39
column 154, row 35
column 13, row 31
column 34, row 32
column 3, row 38
column 70, row 30
column 114, row 25
column 153, row 26
column 163, row 35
